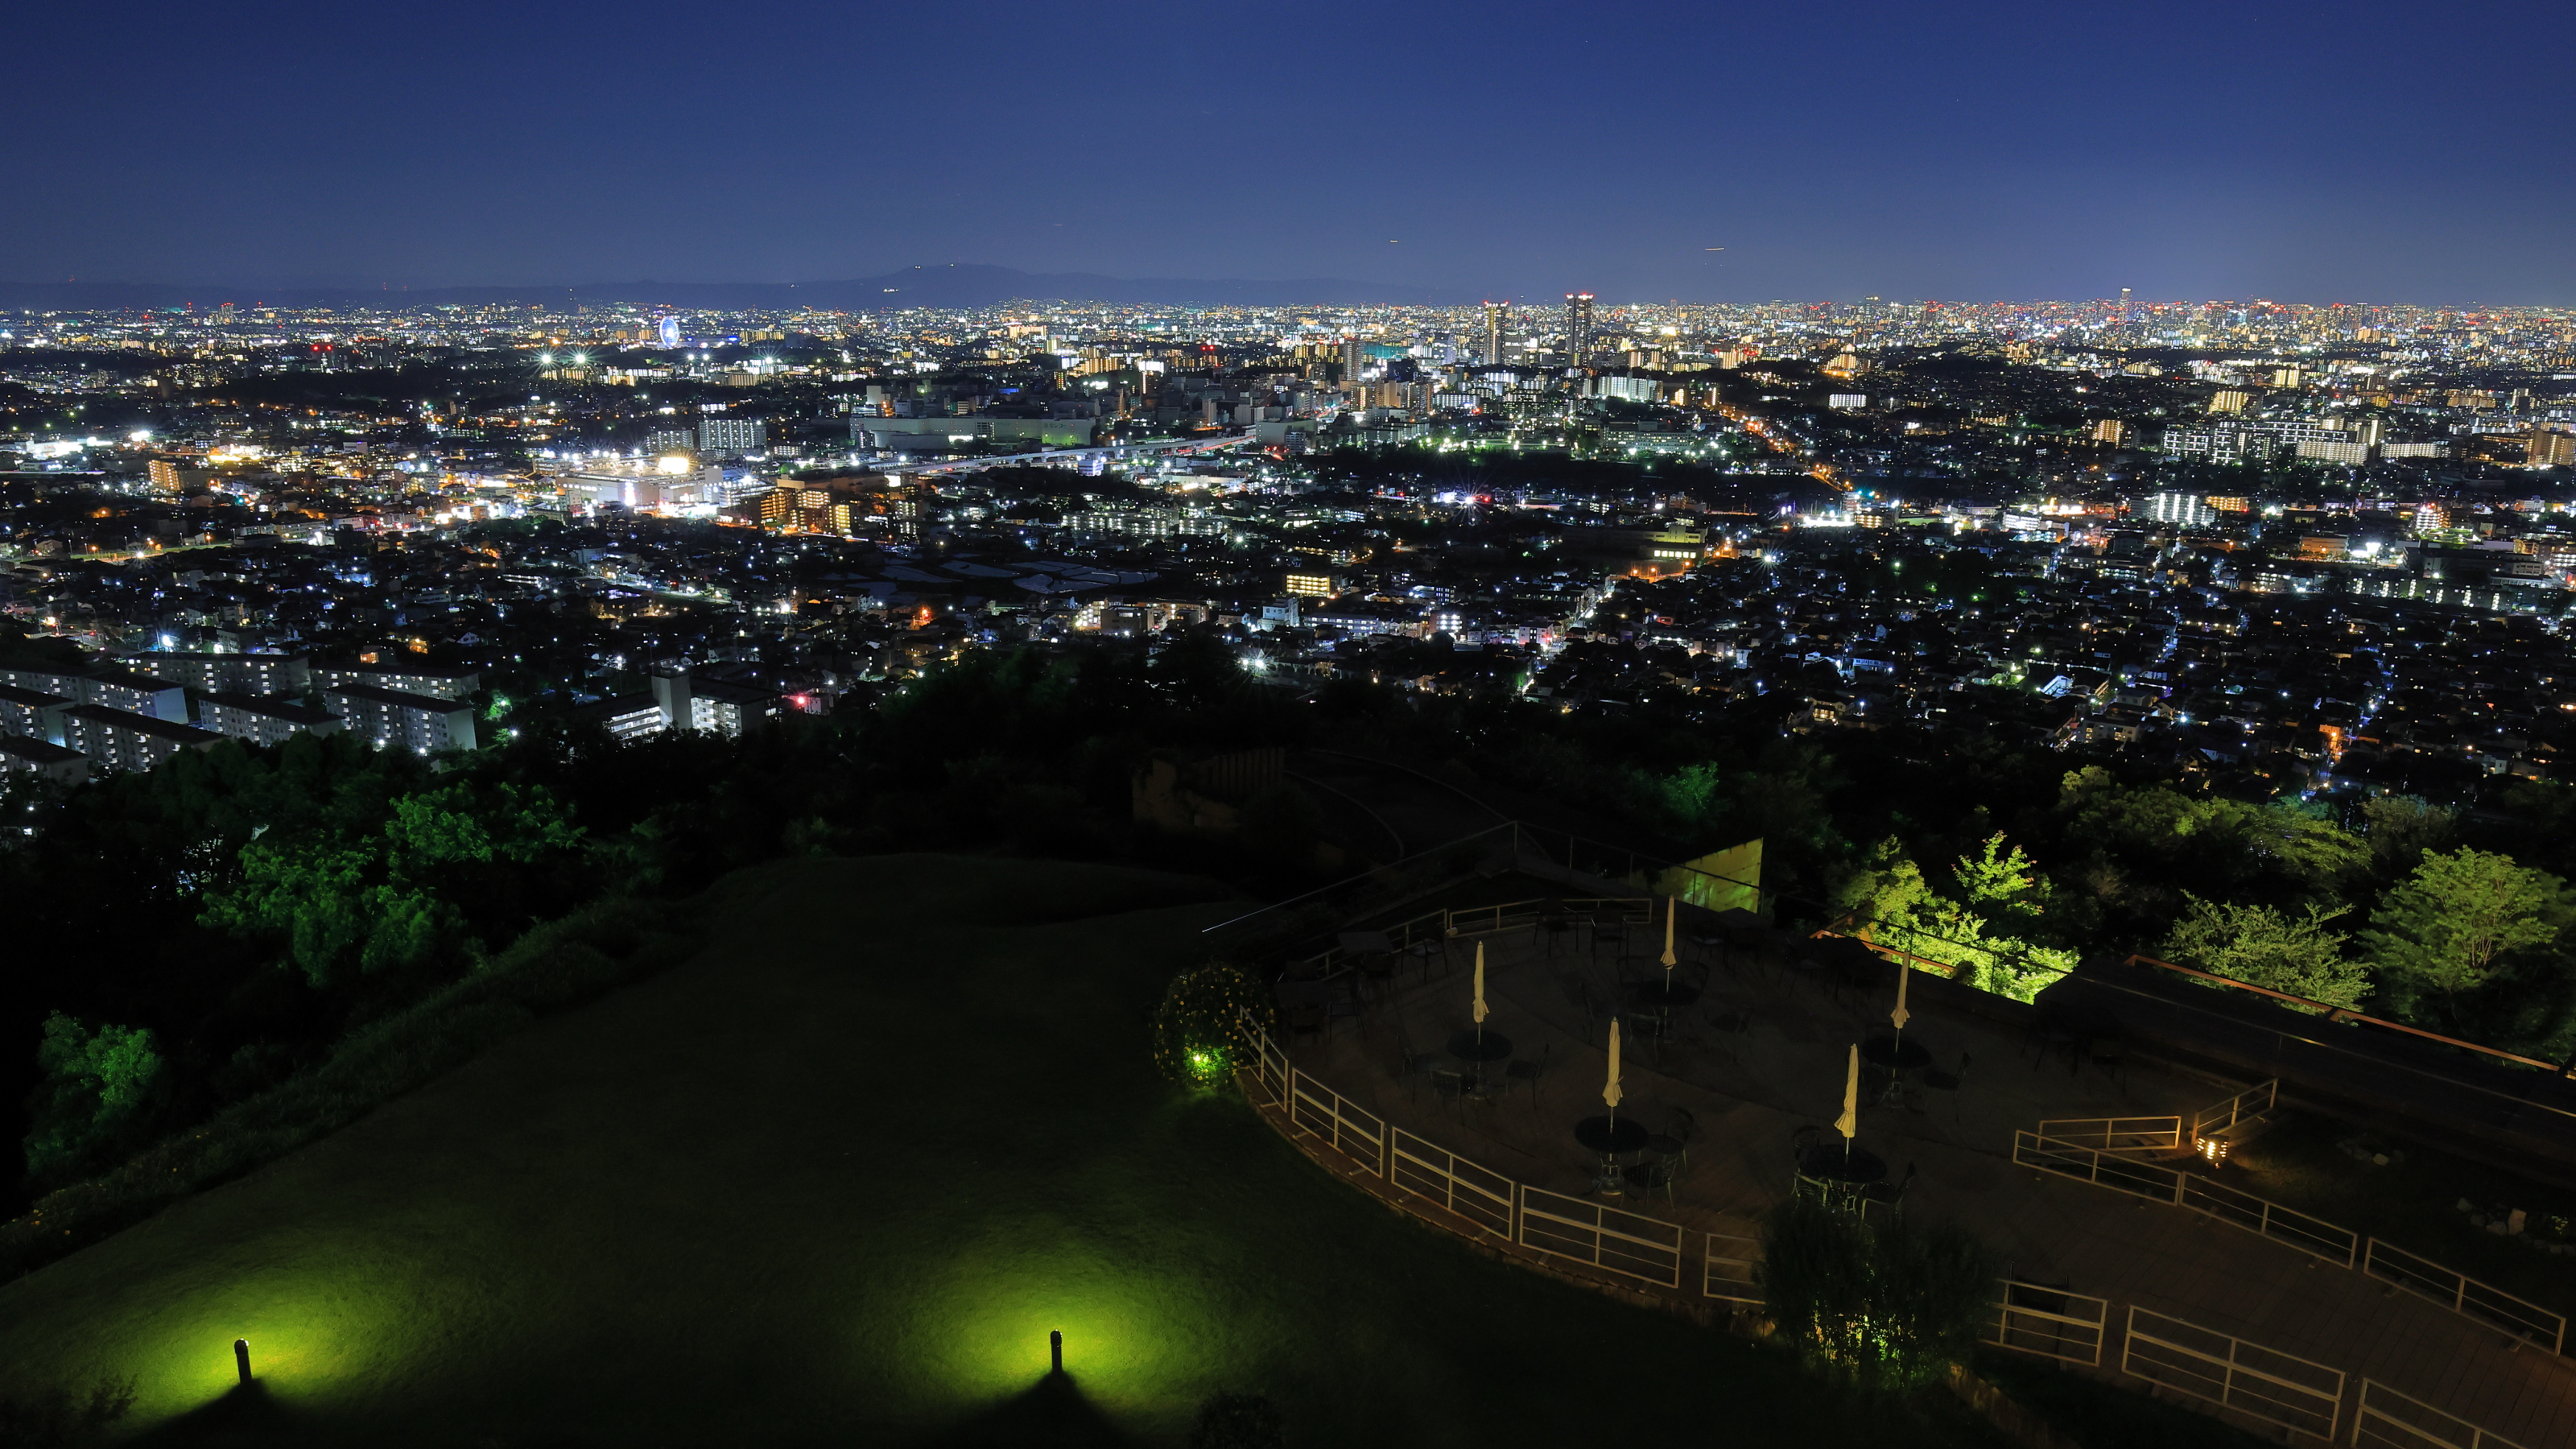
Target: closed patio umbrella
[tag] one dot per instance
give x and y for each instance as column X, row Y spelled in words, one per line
column 1479, row 1007
column 1610, row 1089
column 1848, row 1123
column 1672, row 908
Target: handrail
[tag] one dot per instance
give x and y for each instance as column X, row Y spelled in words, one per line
column 2464, row 1295
column 2206, row 1119
column 2260, row 1216
column 2456, row 1433
column 2164, row 1133
column 2332, row 1012
column 2289, row 1402
column 2064, row 1324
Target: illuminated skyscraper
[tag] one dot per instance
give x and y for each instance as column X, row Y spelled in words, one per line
column 1496, row 314
column 1352, row 356
column 1578, row 326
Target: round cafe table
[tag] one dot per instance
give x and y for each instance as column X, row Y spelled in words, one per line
column 1897, row 1054
column 1476, row 1049
column 1664, row 991
column 1829, row 1162
column 1611, row 1137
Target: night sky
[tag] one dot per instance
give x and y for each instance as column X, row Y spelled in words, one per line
column 2310, row 152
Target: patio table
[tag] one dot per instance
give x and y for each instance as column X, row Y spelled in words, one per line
column 1612, row 1137
column 1476, row 1049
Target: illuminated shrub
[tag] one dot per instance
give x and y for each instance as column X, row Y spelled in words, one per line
column 1884, row 1306
column 1198, row 1033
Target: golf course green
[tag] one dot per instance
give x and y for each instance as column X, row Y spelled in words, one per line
column 833, row 1181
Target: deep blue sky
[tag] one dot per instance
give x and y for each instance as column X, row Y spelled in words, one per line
column 2316, row 152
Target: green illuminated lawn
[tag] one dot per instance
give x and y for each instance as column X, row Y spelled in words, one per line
column 833, row 1182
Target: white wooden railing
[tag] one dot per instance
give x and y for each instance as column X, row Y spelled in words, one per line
column 2387, row 1419
column 2117, row 1134
column 1611, row 1239
column 2218, row 1368
column 1731, row 1269
column 2465, row 1296
column 1640, row 1247
column 2337, row 1245
column 2050, row 1322
column 1479, row 1194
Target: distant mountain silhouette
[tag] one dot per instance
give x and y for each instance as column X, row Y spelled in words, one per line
column 959, row 285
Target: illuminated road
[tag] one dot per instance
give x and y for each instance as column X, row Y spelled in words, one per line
column 1822, row 472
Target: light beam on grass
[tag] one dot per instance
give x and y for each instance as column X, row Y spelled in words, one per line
column 985, row 1334
column 311, row 1336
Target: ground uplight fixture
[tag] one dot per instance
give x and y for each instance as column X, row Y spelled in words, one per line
column 241, row 1358
column 1055, row 1351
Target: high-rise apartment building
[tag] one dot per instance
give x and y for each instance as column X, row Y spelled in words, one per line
column 2188, row 510
column 393, row 718
column 1496, row 315
column 259, row 674
column 720, row 437
column 1352, row 356
column 438, row 683
column 117, row 739
column 260, row 719
column 1578, row 326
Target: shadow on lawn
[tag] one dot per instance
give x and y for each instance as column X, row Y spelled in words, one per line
column 244, row 1415
column 1052, row 1414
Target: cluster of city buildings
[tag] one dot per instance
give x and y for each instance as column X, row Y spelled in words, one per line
column 665, row 521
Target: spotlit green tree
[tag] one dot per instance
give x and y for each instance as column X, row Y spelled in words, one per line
column 1878, row 1305
column 2260, row 945
column 1891, row 904
column 1200, row 1034
column 2460, row 921
column 387, row 897
column 98, row 1084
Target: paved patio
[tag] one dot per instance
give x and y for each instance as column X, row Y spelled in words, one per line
column 1751, row 1091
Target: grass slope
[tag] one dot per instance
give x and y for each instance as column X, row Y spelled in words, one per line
column 832, row 1182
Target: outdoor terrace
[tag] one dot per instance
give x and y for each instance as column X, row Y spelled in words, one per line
column 2130, row 1253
